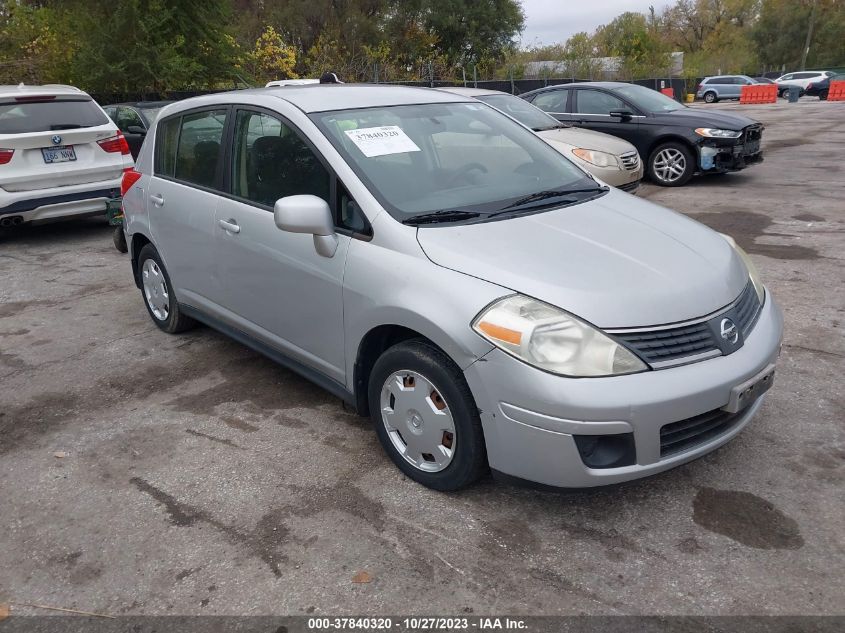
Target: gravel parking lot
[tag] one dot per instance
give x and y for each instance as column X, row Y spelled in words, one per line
column 142, row 473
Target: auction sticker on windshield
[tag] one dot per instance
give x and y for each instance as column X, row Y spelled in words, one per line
column 381, row 141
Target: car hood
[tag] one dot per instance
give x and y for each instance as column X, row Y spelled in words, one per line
column 579, row 137
column 617, row 261
column 701, row 117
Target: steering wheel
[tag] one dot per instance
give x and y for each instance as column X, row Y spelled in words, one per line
column 463, row 171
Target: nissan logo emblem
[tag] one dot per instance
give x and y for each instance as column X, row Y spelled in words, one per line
column 729, row 331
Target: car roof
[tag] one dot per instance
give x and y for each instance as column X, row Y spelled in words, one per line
column 323, row 97
column 42, row 90
column 142, row 104
column 472, row 92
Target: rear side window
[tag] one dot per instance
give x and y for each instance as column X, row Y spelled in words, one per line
column 552, row 101
column 21, row 117
column 188, row 148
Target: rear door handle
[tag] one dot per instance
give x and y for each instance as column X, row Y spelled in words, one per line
column 157, row 199
column 229, row 225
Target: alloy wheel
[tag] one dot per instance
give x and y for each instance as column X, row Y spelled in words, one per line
column 155, row 290
column 418, row 421
column 670, row 164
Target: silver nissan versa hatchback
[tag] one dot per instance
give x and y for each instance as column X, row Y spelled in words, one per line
column 445, row 271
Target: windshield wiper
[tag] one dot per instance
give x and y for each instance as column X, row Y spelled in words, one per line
column 446, row 215
column 66, row 126
column 542, row 196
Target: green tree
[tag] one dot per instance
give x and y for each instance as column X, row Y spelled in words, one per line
column 636, row 42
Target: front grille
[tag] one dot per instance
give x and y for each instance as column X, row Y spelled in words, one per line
column 663, row 345
column 674, row 345
column 753, row 132
column 678, row 437
column 630, row 161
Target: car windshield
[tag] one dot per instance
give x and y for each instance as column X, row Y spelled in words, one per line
column 527, row 114
column 48, row 115
column 647, row 99
column 457, row 158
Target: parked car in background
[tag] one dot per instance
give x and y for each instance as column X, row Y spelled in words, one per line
column 60, row 155
column 800, row 79
column 675, row 141
column 713, row 89
column 442, row 269
column 763, row 80
column 821, row 87
column 613, row 160
column 134, row 120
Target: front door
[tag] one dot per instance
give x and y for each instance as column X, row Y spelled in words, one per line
column 593, row 108
column 277, row 287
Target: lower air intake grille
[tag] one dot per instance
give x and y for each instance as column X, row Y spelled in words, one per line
column 678, row 437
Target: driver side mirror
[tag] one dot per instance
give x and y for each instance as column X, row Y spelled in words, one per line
column 625, row 115
column 308, row 214
column 136, row 129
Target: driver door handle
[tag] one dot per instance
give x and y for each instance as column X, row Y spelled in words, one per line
column 229, row 225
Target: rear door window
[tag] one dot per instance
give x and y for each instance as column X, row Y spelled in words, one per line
column 188, row 147
column 127, row 117
column 552, row 101
column 21, row 117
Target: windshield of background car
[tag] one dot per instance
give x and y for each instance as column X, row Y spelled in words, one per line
column 647, row 99
column 527, row 114
column 447, row 156
column 21, row 117
column 151, row 114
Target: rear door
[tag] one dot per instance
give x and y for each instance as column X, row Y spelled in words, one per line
column 592, row 109
column 182, row 197
column 54, row 141
column 277, row 287
column 555, row 102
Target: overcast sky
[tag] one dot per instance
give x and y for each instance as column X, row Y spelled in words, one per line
column 551, row 21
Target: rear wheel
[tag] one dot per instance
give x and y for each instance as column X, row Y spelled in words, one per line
column 158, row 293
column 710, row 97
column 425, row 416
column 784, row 94
column 119, row 239
column 671, row 165
column 823, row 95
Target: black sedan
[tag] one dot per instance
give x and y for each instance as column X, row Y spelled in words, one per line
column 134, row 119
column 676, row 141
column 820, row 88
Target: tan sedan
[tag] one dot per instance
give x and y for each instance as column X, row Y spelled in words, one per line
column 611, row 159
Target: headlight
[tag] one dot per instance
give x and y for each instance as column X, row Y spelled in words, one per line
column 710, row 132
column 753, row 275
column 594, row 157
column 552, row 340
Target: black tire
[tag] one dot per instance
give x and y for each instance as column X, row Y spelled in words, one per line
column 119, row 239
column 688, row 169
column 710, row 97
column 469, row 461
column 175, row 321
column 823, row 95
column 784, row 94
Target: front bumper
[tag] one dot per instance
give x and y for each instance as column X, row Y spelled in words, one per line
column 722, row 155
column 530, row 417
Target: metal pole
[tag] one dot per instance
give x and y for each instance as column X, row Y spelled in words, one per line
column 464, row 75
column 474, row 76
column 431, row 72
column 510, row 70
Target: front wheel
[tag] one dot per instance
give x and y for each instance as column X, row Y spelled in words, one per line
column 158, row 293
column 425, row 416
column 671, row 165
column 823, row 95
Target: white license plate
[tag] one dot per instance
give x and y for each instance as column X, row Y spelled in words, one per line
column 59, row 154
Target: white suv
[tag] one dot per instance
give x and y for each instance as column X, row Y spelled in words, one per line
column 60, row 155
column 800, row 79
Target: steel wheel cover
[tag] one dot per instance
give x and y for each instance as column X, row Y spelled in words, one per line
column 418, row 421
column 155, row 290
